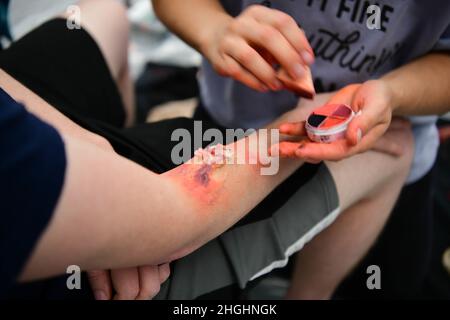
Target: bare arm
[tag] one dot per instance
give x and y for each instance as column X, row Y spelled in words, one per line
column 422, row 86
column 417, row 88
column 194, row 28
column 113, row 213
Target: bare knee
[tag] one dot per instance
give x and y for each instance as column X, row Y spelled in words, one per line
column 404, row 162
column 107, row 22
column 111, row 13
column 364, row 175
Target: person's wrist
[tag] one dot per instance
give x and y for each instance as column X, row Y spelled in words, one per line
column 210, row 34
column 393, row 95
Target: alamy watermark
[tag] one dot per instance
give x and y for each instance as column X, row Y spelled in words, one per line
column 73, row 21
column 373, row 282
column 374, row 17
column 73, row 281
column 250, row 147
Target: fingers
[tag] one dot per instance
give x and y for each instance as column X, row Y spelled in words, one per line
column 293, row 129
column 367, row 118
column 236, row 71
column 369, row 140
column 334, row 151
column 271, row 39
column 246, row 58
column 345, row 95
column 126, row 283
column 289, row 29
column 101, row 284
column 256, row 40
column 285, row 149
column 149, row 280
column 141, row 283
column 372, row 103
column 164, row 272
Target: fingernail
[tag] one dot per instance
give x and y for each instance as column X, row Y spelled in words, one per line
column 264, row 88
column 299, row 70
column 307, row 57
column 99, row 295
column 277, row 85
column 359, row 135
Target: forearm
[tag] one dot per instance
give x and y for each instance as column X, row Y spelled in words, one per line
column 422, row 86
column 193, row 26
column 113, row 213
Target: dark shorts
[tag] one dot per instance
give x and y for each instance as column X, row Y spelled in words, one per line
column 66, row 68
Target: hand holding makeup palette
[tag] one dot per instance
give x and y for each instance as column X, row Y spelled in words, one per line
column 329, row 122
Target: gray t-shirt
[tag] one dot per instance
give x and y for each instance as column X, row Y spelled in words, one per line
column 347, row 51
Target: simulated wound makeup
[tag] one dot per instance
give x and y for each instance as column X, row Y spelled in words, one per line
column 202, row 175
column 217, row 155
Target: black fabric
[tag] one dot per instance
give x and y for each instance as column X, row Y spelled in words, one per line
column 404, row 244
column 32, row 166
column 68, row 69
column 159, row 84
column 277, row 197
column 101, row 111
column 403, row 250
column 437, row 284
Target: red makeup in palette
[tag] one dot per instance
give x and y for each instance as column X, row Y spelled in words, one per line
column 329, row 122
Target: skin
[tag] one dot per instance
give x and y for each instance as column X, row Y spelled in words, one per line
column 221, row 38
column 122, row 235
column 240, row 47
column 125, row 231
column 203, row 181
column 401, row 92
column 125, row 210
column 398, row 93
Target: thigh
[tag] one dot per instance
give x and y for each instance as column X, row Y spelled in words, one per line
column 68, row 70
column 295, row 212
column 87, row 95
column 107, row 22
column 403, row 250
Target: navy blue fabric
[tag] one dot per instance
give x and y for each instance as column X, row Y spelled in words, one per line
column 32, row 169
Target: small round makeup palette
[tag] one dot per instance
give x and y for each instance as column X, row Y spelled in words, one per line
column 329, row 122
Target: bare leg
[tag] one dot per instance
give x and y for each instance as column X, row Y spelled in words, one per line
column 330, row 256
column 107, row 23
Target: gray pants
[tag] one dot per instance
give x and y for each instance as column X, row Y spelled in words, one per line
column 249, row 251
